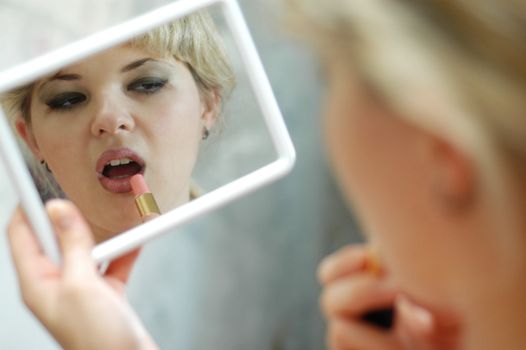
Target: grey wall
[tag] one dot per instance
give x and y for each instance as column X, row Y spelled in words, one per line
column 242, row 277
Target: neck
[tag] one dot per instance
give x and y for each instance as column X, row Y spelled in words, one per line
column 100, row 234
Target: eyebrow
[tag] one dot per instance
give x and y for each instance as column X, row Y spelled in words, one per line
column 136, row 64
column 69, row 77
column 59, row 76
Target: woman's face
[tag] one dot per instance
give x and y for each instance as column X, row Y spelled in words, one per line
column 115, row 114
column 424, row 208
column 387, row 170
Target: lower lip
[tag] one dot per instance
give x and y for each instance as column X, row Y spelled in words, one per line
column 121, row 185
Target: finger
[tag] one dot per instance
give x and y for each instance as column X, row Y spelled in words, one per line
column 30, row 262
column 350, row 334
column 74, row 237
column 121, row 267
column 345, row 261
column 357, row 295
column 422, row 328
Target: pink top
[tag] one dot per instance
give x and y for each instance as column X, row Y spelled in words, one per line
column 138, row 185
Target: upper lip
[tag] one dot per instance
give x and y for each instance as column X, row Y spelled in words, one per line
column 114, row 154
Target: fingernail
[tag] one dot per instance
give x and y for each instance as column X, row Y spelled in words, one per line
column 416, row 315
column 373, row 263
column 324, row 268
column 60, row 214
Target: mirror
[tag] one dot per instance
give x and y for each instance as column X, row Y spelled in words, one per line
column 183, row 101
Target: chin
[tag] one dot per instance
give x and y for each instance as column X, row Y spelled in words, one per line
column 127, row 225
column 105, row 230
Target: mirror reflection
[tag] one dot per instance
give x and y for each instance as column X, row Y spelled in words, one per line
column 147, row 106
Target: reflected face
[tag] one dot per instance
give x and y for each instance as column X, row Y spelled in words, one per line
column 112, row 115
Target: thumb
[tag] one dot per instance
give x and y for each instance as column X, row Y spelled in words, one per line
column 422, row 328
column 74, row 237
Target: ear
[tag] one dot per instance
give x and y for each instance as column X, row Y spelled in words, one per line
column 211, row 107
column 453, row 177
column 26, row 133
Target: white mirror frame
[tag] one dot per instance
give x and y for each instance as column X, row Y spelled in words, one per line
column 135, row 237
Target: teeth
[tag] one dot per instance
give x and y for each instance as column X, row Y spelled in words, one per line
column 117, row 162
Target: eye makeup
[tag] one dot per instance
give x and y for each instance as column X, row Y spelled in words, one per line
column 65, row 91
column 150, row 77
column 60, row 96
column 65, row 100
column 147, row 85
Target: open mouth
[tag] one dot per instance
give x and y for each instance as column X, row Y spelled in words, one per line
column 116, row 167
column 121, row 168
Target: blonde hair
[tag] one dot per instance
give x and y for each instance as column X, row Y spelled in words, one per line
column 455, row 68
column 193, row 40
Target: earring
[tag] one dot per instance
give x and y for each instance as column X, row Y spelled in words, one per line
column 44, row 163
column 206, row 133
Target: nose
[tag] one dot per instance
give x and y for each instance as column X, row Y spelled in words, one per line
column 111, row 117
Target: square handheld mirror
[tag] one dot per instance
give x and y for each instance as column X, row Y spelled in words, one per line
column 176, row 98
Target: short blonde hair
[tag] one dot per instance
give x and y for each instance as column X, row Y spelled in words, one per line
column 455, row 68
column 193, row 40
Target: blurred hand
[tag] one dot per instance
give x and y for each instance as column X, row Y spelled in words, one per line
column 81, row 309
column 350, row 290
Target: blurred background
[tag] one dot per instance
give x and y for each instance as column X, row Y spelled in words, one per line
column 242, row 277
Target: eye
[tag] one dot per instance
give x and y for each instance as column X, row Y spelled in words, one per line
column 66, row 100
column 147, row 85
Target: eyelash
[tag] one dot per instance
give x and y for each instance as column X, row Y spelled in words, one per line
column 147, row 85
column 69, row 100
column 66, row 100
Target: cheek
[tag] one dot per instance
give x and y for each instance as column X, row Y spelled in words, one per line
column 54, row 131
column 178, row 115
column 51, row 140
column 173, row 133
column 68, row 164
column 351, row 141
column 377, row 166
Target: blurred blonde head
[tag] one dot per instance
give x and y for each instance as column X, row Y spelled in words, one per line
column 455, row 68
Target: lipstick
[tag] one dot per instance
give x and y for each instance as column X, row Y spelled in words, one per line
column 144, row 199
